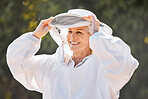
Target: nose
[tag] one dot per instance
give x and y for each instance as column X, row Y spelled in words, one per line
column 73, row 35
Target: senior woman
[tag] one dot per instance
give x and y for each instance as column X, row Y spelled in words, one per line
column 89, row 63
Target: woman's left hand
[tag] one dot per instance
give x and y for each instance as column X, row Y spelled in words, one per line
column 91, row 18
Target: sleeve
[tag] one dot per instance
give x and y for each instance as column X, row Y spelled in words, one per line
column 118, row 63
column 26, row 67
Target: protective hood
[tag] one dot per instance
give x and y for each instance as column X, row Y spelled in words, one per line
column 84, row 13
column 68, row 20
column 73, row 18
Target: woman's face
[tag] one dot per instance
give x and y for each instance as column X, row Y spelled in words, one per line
column 78, row 38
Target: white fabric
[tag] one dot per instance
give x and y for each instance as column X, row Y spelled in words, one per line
column 101, row 76
column 61, row 37
column 80, row 13
column 75, row 21
column 84, row 13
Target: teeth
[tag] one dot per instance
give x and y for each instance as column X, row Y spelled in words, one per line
column 74, row 42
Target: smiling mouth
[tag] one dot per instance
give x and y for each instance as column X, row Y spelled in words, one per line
column 74, row 43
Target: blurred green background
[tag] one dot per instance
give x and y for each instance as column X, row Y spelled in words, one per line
column 128, row 19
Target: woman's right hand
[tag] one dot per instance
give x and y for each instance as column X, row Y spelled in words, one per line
column 42, row 28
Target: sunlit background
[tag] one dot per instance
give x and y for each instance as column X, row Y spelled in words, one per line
column 128, row 19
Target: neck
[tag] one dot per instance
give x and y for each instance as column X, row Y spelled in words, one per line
column 78, row 56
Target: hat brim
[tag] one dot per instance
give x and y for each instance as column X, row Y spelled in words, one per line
column 64, row 20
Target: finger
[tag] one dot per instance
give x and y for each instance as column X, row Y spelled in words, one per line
column 97, row 25
column 47, row 21
column 97, row 22
column 88, row 18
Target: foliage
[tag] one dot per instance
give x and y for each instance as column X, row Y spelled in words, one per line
column 128, row 18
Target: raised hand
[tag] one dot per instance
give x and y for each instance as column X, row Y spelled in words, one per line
column 42, row 28
column 94, row 22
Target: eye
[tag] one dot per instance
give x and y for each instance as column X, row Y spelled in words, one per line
column 69, row 31
column 79, row 32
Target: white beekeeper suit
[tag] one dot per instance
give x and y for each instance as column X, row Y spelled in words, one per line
column 100, row 75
